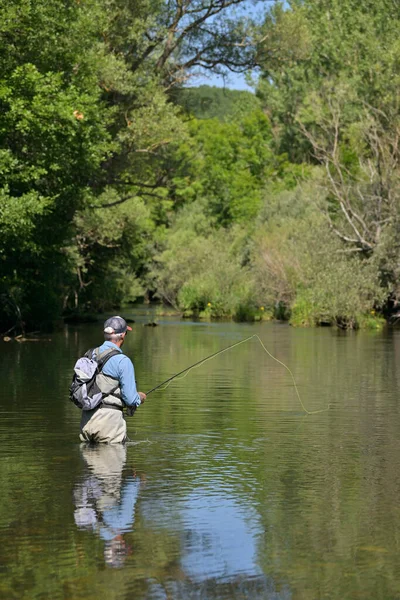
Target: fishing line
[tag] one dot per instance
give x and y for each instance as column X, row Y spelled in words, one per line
column 182, row 374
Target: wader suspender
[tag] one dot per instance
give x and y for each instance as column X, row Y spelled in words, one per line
column 100, row 365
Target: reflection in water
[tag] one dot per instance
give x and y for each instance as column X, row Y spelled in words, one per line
column 219, row 552
column 104, row 502
column 245, row 498
column 221, row 537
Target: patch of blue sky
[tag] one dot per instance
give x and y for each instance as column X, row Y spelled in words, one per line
column 255, row 9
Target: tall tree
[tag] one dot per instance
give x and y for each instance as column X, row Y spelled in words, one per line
column 85, row 125
column 330, row 78
column 53, row 139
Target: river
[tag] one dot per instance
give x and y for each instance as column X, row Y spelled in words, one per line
column 228, row 489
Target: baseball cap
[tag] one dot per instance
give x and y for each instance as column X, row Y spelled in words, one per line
column 116, row 325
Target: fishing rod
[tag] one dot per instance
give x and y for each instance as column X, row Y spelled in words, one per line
column 131, row 409
column 196, row 364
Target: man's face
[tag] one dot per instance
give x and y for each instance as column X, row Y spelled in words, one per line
column 123, row 339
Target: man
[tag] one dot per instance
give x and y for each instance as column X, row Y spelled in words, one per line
column 116, row 381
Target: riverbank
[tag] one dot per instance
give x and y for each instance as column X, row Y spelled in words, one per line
column 301, row 317
column 149, row 314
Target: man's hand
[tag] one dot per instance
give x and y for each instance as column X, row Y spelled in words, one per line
column 142, row 397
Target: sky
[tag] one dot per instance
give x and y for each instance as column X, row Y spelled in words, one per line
column 236, row 81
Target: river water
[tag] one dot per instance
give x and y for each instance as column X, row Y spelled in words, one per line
column 228, row 489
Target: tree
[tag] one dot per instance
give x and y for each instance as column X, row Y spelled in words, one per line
column 54, row 138
column 330, row 80
column 85, row 126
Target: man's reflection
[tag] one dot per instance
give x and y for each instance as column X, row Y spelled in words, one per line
column 104, row 501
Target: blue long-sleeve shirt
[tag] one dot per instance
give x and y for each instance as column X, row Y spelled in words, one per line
column 121, row 367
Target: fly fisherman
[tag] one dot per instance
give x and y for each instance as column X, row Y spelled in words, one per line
column 116, row 381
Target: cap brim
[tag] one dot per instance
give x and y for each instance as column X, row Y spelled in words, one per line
column 128, row 328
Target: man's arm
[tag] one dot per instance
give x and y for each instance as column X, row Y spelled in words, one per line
column 129, row 393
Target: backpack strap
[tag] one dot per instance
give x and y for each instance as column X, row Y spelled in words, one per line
column 101, row 360
column 105, row 357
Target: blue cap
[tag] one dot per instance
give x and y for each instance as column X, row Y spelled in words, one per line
column 116, row 325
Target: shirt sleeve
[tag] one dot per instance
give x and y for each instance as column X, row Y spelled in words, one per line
column 127, row 383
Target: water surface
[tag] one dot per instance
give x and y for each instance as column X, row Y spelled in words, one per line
column 228, row 489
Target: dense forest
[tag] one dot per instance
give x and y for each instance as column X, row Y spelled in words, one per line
column 121, row 180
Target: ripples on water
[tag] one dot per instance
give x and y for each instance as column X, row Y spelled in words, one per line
column 231, row 492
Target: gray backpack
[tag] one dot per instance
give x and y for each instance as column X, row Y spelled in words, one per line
column 84, row 391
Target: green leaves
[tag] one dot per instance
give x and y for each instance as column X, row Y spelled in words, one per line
column 199, row 269
column 226, row 164
column 114, row 181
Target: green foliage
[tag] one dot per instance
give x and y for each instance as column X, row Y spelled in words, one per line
column 299, row 264
column 86, row 123
column 371, row 321
column 117, row 181
column 200, row 269
column 208, row 102
column 317, row 45
column 329, row 83
column 228, row 164
column 108, row 252
column 53, row 131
